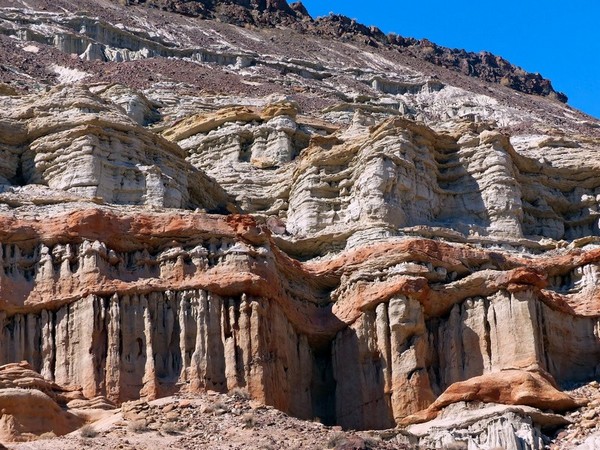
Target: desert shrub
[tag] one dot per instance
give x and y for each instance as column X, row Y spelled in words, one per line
column 336, row 440
column 370, row 442
column 240, row 393
column 249, row 420
column 47, row 435
column 171, row 428
column 222, row 406
column 138, row 426
column 88, row 431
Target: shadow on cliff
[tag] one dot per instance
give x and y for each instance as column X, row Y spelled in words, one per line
column 461, row 207
column 361, row 400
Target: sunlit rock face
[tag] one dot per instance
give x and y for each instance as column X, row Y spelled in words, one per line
column 318, row 213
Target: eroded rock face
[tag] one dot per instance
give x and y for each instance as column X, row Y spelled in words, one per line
column 390, row 177
column 73, row 141
column 28, row 414
column 33, row 406
column 407, row 247
column 217, row 313
column 482, row 426
column 150, row 345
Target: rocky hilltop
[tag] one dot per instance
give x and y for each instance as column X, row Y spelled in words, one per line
column 233, row 196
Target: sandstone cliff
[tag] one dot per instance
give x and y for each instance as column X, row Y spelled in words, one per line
column 358, row 234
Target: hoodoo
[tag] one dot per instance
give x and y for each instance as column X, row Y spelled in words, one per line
column 200, row 198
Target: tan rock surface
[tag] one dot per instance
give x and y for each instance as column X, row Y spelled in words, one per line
column 210, row 420
column 219, row 307
column 413, row 240
column 71, row 140
column 509, row 387
column 487, row 426
column 27, row 414
column 33, row 406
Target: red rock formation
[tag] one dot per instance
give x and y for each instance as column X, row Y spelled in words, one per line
column 32, row 406
column 509, row 387
column 397, row 253
column 219, row 306
column 27, row 414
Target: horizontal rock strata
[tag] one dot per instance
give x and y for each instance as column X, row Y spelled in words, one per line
column 165, row 303
column 99, row 154
column 370, row 230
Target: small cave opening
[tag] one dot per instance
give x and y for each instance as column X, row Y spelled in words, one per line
column 300, row 141
column 245, row 152
column 19, row 178
column 323, row 385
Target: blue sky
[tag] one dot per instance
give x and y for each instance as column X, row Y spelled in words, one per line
column 560, row 40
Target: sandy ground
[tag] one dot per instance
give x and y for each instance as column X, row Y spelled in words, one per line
column 211, row 421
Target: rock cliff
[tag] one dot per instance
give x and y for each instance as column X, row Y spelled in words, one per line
column 195, row 198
